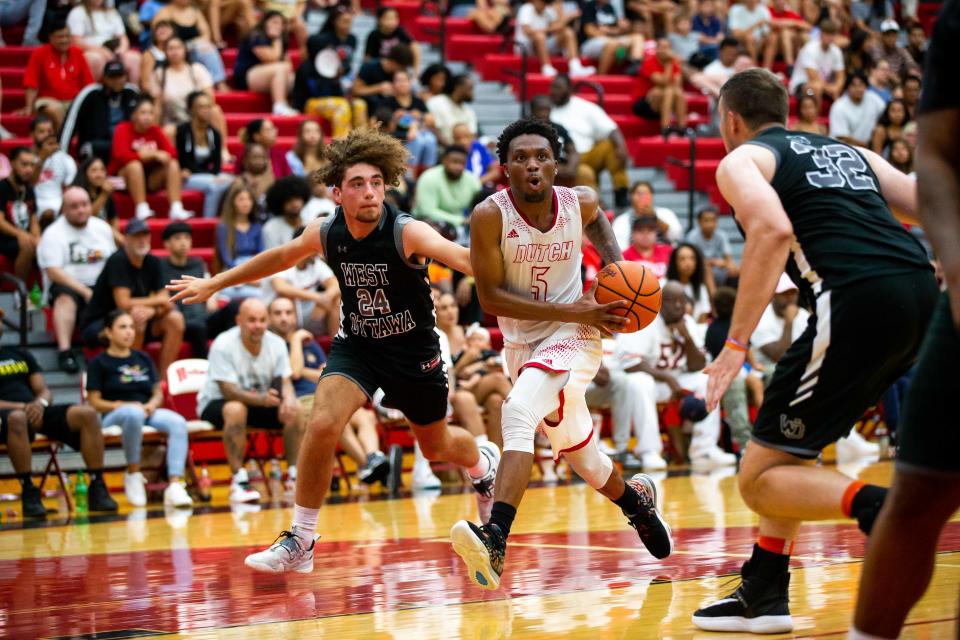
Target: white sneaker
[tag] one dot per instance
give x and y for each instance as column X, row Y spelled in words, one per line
column 484, row 485
column 135, row 487
column 577, row 69
column 548, row 70
column 424, row 477
column 145, row 212
column 283, row 109
column 854, row 446
column 241, row 492
column 287, row 553
column 4, row 134
column 179, row 213
column 652, row 461
column 713, row 459
column 175, row 495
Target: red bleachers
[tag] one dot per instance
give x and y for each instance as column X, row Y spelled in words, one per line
column 204, row 231
column 192, row 201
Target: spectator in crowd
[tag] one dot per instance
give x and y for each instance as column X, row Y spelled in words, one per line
column 880, row 81
column 154, row 55
column 479, row 370
column 612, row 389
column 15, row 12
column 55, row 74
column 239, row 13
column 480, row 161
column 917, row 43
column 98, row 29
column 55, row 169
column 492, row 16
column 901, row 64
column 19, row 226
column 669, row 228
column 178, row 241
column 781, row 323
column 870, row 15
column 434, row 80
column 608, row 38
column 285, row 199
column 709, row 27
column 92, row 178
column 132, row 280
column 901, row 156
column 668, row 359
column 26, row 409
column 143, row 156
column 412, row 123
column 374, row 82
column 452, row 107
column 316, row 310
column 239, row 235
column 714, row 245
column 306, row 156
column 910, row 134
column 320, row 203
column 819, row 69
column 645, row 249
column 597, row 137
column 256, row 173
column 191, row 26
column 262, row 131
column 659, row 91
column 72, row 253
column 249, row 384
column 98, row 109
column 856, row 55
column 911, row 95
column 889, row 127
column 387, row 35
column 684, row 42
column 446, row 192
column 651, row 16
column 200, row 150
column 171, row 83
column 854, row 115
column 688, row 268
column 808, row 116
column 788, row 31
column 123, row 386
column 568, row 164
column 543, row 29
column 263, row 65
column 719, row 71
column 319, row 91
column 749, row 22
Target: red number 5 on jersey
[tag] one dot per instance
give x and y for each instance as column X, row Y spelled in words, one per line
column 538, row 284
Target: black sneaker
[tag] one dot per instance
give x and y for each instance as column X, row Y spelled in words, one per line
column 394, row 478
column 375, row 470
column 650, row 526
column 757, row 606
column 483, row 549
column 31, row 503
column 67, row 361
column 98, row 497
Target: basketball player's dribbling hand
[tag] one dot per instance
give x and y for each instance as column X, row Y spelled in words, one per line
column 722, row 371
column 588, row 311
column 191, row 290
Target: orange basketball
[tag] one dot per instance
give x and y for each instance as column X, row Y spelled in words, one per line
column 630, row 281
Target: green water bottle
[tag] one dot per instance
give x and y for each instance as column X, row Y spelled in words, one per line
column 80, row 493
column 36, row 296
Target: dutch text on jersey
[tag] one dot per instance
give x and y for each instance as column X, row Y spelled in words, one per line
column 551, row 252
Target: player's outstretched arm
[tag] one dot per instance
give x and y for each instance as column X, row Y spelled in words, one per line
column 596, row 226
column 897, row 188
column 743, row 177
column 191, row 290
column 488, row 271
column 420, row 239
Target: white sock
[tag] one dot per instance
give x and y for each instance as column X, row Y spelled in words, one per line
column 853, row 634
column 480, row 439
column 241, row 477
column 305, row 523
column 291, row 472
column 143, row 210
column 481, row 468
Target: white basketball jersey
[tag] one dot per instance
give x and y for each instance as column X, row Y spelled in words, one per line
column 540, row 265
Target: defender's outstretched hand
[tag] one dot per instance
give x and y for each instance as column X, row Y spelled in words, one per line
column 191, row 290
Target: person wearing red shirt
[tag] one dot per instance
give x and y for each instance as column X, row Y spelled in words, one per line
column 789, row 31
column 645, row 249
column 659, row 91
column 146, row 160
column 55, row 74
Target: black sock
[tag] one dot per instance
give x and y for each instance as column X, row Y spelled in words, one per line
column 502, row 515
column 767, row 564
column 629, row 502
column 866, row 504
column 26, row 480
column 96, row 475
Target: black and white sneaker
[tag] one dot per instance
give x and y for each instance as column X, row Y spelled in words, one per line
column 757, row 606
column 287, row 553
column 376, row 468
column 395, row 474
column 483, row 549
column 654, row 532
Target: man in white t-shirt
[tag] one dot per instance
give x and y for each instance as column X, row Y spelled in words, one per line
column 853, row 116
column 819, row 68
column 544, row 29
column 55, row 169
column 749, row 22
column 249, row 383
column 667, row 360
column 302, row 283
column 72, row 252
column 782, row 322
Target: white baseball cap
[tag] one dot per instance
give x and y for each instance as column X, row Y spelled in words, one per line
column 785, row 284
column 889, row 25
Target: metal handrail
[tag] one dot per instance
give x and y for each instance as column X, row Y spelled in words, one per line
column 522, row 74
column 20, row 289
column 597, row 88
column 691, row 165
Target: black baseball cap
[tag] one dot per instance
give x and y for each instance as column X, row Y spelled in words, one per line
column 174, row 228
column 114, row 68
column 135, row 226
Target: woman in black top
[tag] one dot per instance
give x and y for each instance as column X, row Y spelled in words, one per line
column 411, row 123
column 122, row 385
column 387, row 34
column 263, row 64
column 200, row 150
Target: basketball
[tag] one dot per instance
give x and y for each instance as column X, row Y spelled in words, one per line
column 630, row 281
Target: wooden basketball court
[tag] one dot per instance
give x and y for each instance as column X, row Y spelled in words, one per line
column 384, row 569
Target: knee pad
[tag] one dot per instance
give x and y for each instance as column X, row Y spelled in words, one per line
column 536, row 394
column 591, row 464
column 518, row 425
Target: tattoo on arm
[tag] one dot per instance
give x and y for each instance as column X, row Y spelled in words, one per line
column 601, row 235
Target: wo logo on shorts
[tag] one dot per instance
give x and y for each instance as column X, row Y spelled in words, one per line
column 792, row 429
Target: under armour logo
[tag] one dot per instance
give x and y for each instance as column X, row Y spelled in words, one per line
column 341, row 249
column 792, row 429
column 513, row 234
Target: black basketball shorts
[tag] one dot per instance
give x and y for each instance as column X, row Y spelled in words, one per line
column 413, row 377
column 54, row 426
column 861, row 339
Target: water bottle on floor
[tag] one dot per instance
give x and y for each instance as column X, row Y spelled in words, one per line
column 80, row 493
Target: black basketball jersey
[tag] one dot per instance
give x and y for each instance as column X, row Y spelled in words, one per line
column 843, row 229
column 385, row 298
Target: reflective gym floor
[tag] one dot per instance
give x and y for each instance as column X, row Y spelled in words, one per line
column 384, row 569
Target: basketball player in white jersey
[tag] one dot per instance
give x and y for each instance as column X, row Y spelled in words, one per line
column 525, row 251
